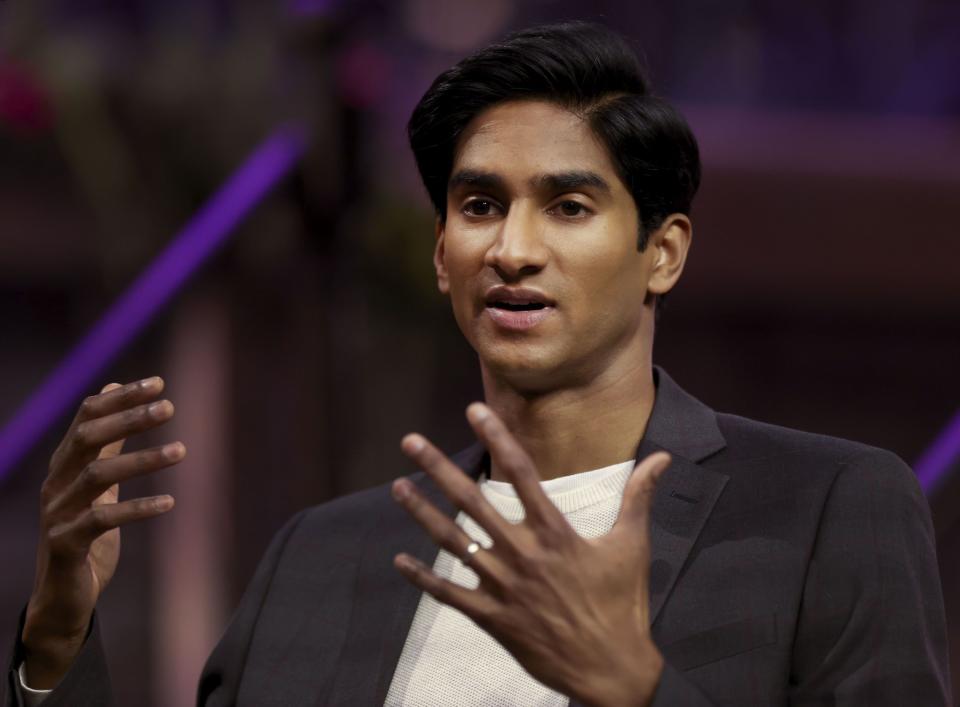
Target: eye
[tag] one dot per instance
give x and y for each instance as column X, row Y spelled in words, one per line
column 479, row 207
column 571, row 209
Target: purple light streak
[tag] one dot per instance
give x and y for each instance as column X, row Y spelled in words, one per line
column 189, row 249
column 933, row 466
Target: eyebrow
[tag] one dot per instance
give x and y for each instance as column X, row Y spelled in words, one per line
column 476, row 179
column 556, row 181
column 571, row 181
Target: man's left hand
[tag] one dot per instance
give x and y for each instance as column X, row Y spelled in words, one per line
column 574, row 612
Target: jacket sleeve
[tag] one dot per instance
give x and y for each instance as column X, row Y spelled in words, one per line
column 871, row 627
column 86, row 684
column 221, row 677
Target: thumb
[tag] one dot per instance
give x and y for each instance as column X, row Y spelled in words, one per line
column 113, row 449
column 638, row 493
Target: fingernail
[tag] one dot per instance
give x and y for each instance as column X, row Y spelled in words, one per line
column 661, row 467
column 164, row 503
column 413, row 443
column 400, row 490
column 478, row 412
column 150, row 382
column 157, row 408
column 173, row 451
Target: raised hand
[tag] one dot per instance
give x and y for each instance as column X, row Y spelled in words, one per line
column 81, row 516
column 572, row 611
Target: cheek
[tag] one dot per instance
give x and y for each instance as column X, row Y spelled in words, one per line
column 617, row 272
column 464, row 252
column 463, row 265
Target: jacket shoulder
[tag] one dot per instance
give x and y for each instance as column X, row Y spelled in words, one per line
column 748, row 438
column 780, row 459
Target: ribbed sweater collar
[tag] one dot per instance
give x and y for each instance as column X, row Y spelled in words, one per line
column 568, row 493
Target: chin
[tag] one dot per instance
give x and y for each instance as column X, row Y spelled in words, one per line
column 527, row 369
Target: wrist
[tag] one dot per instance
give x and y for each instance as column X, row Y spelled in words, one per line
column 48, row 650
column 633, row 684
column 46, row 661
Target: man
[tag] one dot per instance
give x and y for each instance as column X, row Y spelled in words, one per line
column 779, row 567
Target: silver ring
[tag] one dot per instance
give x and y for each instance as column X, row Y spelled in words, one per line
column 472, row 549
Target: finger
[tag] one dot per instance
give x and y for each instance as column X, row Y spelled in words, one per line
column 638, row 493
column 476, row 605
column 91, row 436
column 516, row 466
column 114, row 448
column 98, row 476
column 445, row 532
column 75, row 537
column 460, row 489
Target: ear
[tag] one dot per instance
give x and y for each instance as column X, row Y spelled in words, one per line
column 670, row 244
column 443, row 281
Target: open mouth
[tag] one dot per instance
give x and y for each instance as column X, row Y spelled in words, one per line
column 517, row 306
column 518, row 311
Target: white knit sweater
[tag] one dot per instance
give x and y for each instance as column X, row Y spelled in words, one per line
column 447, row 660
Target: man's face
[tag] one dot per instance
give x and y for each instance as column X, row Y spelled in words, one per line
column 539, row 249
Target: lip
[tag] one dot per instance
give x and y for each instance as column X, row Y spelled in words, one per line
column 517, row 320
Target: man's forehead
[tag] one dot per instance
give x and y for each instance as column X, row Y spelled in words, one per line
column 538, row 136
column 529, row 112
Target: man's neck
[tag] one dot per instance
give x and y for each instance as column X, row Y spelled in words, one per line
column 567, row 431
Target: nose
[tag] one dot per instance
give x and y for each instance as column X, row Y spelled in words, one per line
column 519, row 248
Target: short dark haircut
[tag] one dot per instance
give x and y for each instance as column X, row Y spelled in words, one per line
column 580, row 66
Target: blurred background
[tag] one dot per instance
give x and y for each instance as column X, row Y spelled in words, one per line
column 822, row 291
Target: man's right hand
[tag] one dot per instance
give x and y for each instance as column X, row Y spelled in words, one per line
column 80, row 519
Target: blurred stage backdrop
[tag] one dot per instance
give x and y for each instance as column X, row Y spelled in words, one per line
column 298, row 346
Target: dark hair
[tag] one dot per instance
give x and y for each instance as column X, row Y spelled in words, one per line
column 588, row 69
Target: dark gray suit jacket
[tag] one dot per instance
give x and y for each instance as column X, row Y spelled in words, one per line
column 787, row 569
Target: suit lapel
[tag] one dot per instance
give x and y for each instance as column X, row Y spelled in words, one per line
column 687, row 492
column 681, row 505
column 687, row 429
